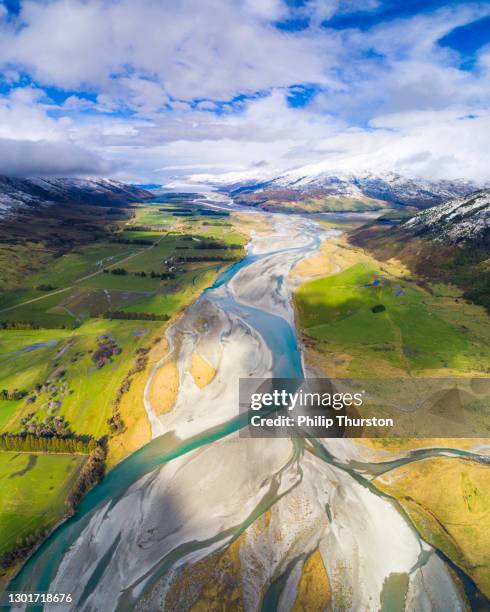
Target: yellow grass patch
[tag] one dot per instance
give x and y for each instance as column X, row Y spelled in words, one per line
column 314, row 591
column 336, row 255
column 246, row 223
column 133, row 413
column 407, row 444
column 164, row 388
column 202, row 372
column 448, row 501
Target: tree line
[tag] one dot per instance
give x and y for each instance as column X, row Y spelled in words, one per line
column 137, row 241
column 40, row 444
column 19, row 325
column 15, row 394
column 135, row 316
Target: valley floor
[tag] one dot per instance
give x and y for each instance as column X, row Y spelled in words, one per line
column 224, row 521
column 79, row 336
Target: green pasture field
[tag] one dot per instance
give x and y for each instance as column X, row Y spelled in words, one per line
column 33, row 490
column 70, row 323
column 7, row 409
column 85, row 260
column 86, row 402
column 54, row 364
column 150, row 215
column 45, row 312
column 148, row 235
column 127, row 282
column 416, row 331
column 61, row 272
column 179, row 292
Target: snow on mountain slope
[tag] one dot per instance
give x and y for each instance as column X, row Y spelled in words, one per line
column 18, row 194
column 384, row 185
column 458, row 220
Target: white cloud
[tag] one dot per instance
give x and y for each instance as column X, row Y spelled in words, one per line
column 23, row 116
column 185, row 85
column 194, row 49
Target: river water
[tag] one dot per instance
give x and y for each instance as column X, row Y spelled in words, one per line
column 198, row 486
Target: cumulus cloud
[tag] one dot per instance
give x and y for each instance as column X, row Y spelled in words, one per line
column 193, row 49
column 163, row 88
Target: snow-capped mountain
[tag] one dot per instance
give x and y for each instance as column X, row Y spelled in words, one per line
column 458, row 220
column 18, row 194
column 319, row 178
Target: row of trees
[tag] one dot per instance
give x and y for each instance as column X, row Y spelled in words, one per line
column 22, row 548
column 198, row 258
column 115, row 422
column 45, row 287
column 138, row 241
column 91, row 473
column 39, row 444
column 216, row 245
column 144, row 228
column 19, row 325
column 15, row 394
column 135, row 316
column 116, row 271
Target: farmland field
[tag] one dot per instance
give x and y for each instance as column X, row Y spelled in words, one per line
column 33, row 489
column 143, row 272
column 80, row 327
column 371, row 317
column 84, row 392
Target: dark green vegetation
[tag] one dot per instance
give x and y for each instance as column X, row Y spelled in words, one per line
column 464, row 265
column 371, row 317
column 72, row 337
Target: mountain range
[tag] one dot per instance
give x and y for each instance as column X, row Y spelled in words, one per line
column 318, row 188
column 25, row 194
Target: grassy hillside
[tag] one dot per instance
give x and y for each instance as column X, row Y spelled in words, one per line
column 464, row 265
column 370, row 317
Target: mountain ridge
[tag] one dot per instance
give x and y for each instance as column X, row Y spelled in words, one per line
column 457, row 220
column 24, row 194
column 319, row 182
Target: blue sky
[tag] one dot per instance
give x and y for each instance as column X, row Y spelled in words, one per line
column 157, row 91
